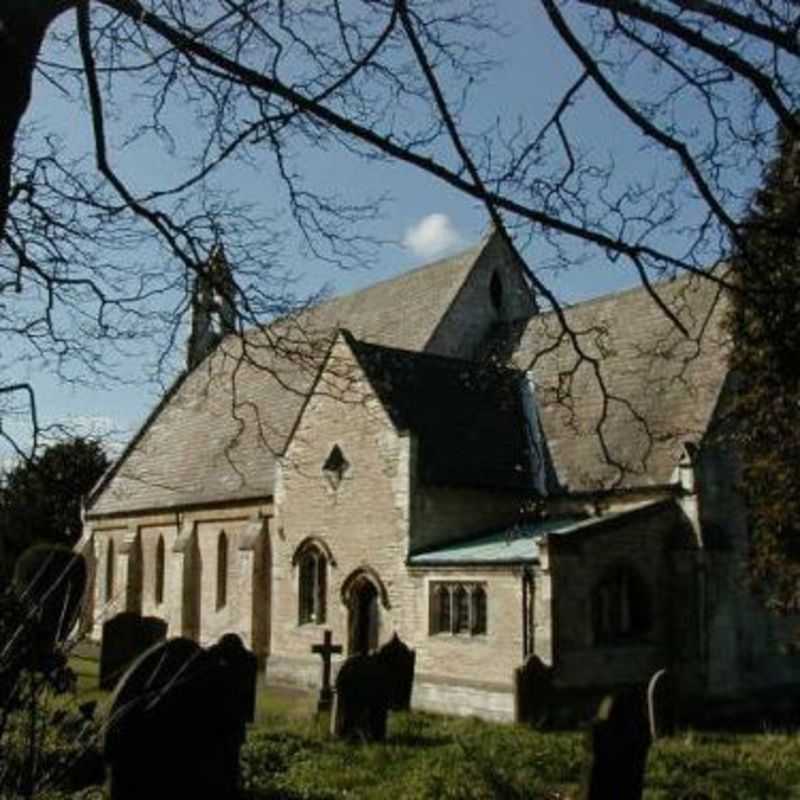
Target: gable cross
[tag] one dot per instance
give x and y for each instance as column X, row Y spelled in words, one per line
column 326, row 650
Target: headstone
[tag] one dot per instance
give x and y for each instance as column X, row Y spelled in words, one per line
column 51, row 581
column 396, row 662
column 661, row 701
column 243, row 667
column 533, row 689
column 176, row 724
column 362, row 700
column 325, row 651
column 125, row 637
column 617, row 742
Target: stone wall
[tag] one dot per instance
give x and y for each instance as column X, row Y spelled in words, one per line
column 362, row 520
column 440, row 515
column 464, row 658
column 188, row 603
column 576, row 563
column 462, row 330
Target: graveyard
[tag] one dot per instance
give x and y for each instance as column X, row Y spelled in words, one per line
column 289, row 753
column 143, row 715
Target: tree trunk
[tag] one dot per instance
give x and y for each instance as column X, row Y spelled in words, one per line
column 22, row 29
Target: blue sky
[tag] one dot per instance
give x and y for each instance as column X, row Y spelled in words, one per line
column 424, row 219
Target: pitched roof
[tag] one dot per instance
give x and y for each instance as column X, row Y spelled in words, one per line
column 215, row 435
column 650, row 390
column 469, row 417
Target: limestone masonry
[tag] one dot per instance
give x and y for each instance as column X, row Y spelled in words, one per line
column 434, row 457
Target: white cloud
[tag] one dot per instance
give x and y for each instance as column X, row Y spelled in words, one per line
column 432, row 236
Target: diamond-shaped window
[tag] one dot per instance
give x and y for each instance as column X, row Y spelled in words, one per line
column 335, row 466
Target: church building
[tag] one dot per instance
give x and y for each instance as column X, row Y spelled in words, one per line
column 433, row 456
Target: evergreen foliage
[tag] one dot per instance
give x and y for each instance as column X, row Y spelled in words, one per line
column 40, row 500
column 765, row 324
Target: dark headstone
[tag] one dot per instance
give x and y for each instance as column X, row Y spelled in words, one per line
column 362, row 701
column 617, row 742
column 396, row 662
column 243, row 667
column 661, row 702
column 51, row 581
column 125, row 637
column 533, row 688
column 176, row 724
column 325, row 651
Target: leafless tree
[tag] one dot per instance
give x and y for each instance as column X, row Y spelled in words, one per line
column 700, row 85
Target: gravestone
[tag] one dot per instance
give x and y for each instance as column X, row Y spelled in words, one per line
column 125, row 637
column 533, row 689
column 396, row 662
column 362, row 700
column 176, row 724
column 50, row 580
column 661, row 702
column 325, row 651
column 617, row 743
column 243, row 667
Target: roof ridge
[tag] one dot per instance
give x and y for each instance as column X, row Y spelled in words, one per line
column 431, row 357
column 640, row 287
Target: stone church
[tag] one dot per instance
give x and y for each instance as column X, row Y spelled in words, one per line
column 435, row 457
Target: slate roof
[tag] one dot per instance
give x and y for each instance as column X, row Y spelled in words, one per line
column 519, row 543
column 215, row 435
column 661, row 388
column 469, row 417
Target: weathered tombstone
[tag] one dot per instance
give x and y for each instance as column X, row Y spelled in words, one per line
column 125, row 637
column 617, row 742
column 51, row 581
column 243, row 667
column 325, row 651
column 533, row 688
column 362, row 701
column 396, row 662
column 661, row 704
column 176, row 724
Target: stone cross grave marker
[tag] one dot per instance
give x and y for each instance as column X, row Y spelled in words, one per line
column 533, row 688
column 176, row 723
column 125, row 637
column 325, row 651
column 661, row 704
column 617, row 743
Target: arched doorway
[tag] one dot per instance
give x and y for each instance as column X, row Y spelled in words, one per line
column 364, row 594
column 364, row 618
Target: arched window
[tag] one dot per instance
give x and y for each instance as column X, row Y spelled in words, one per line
column 440, row 609
column 159, row 583
column 479, row 610
column 222, row 570
column 620, row 607
column 460, row 610
column 496, row 292
column 312, row 585
column 110, row 571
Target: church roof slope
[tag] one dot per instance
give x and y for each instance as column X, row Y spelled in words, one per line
column 216, row 435
column 620, row 417
column 469, row 417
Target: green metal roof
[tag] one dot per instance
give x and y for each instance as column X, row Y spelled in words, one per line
column 518, row 544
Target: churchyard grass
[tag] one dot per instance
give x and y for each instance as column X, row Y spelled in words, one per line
column 432, row 757
column 288, row 754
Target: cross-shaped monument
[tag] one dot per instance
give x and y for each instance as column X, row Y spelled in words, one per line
column 326, row 650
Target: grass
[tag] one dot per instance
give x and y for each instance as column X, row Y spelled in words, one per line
column 289, row 755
